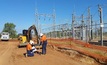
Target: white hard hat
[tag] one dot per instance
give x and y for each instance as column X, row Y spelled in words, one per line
column 31, row 42
column 41, row 34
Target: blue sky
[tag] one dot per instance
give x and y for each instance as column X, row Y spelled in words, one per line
column 22, row 12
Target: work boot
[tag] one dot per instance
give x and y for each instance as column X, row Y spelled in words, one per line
column 26, row 55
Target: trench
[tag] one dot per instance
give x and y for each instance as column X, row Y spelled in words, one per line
column 75, row 55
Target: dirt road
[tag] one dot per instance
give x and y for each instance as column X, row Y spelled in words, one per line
column 10, row 54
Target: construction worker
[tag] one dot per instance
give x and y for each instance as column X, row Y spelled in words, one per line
column 43, row 41
column 29, row 49
column 33, row 46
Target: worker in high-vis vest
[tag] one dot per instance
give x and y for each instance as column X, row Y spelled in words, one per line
column 29, row 49
column 43, row 41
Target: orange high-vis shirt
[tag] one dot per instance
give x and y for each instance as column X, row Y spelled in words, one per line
column 43, row 38
column 28, row 47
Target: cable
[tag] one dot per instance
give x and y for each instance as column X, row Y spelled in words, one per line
column 105, row 15
column 103, row 5
column 85, row 11
column 94, row 14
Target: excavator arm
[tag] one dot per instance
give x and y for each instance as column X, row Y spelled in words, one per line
column 29, row 37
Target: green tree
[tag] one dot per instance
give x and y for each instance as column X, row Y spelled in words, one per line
column 10, row 27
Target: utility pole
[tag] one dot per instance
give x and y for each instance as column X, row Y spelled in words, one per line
column 82, row 31
column 89, row 25
column 101, row 24
column 53, row 16
column 86, row 34
column 73, row 31
column 91, row 28
column 37, row 25
column 96, row 29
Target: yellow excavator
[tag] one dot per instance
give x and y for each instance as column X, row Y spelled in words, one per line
column 30, row 34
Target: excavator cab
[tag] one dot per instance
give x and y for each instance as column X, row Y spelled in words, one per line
column 23, row 37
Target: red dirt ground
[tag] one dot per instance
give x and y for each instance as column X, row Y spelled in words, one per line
column 93, row 55
column 10, row 54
